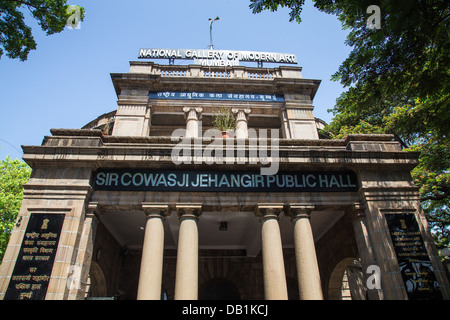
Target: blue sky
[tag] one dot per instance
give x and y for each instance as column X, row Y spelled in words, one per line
column 66, row 82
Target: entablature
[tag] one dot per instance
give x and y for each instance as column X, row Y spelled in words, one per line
column 90, row 148
column 237, row 79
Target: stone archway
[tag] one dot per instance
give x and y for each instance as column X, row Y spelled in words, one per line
column 347, row 280
column 335, row 284
column 97, row 281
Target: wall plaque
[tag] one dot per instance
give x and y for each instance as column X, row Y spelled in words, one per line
column 172, row 95
column 413, row 260
column 33, row 268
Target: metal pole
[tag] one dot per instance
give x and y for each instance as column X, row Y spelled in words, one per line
column 210, row 35
column 211, row 46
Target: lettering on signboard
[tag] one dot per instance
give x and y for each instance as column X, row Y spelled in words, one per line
column 415, row 265
column 217, row 57
column 174, row 95
column 33, row 268
column 159, row 180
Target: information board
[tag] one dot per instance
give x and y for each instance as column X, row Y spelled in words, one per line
column 171, row 95
column 413, row 260
column 33, row 268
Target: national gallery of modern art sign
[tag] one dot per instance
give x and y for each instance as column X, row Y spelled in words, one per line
column 206, row 57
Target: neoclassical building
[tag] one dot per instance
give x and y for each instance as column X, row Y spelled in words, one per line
column 150, row 201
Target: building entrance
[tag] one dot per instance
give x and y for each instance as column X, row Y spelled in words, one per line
column 219, row 289
column 231, row 243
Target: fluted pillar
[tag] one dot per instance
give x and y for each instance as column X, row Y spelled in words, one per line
column 310, row 287
column 275, row 287
column 241, row 122
column 150, row 277
column 186, row 278
column 193, row 117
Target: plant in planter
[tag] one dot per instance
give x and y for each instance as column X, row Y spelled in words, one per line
column 225, row 121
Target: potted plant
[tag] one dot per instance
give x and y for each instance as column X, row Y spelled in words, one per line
column 224, row 121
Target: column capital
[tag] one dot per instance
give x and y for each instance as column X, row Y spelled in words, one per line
column 189, row 210
column 268, row 210
column 193, row 113
column 152, row 209
column 93, row 210
column 356, row 211
column 243, row 111
column 196, row 109
column 241, row 122
column 299, row 210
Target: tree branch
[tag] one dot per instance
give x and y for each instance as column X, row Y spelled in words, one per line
column 30, row 5
column 436, row 196
column 400, row 140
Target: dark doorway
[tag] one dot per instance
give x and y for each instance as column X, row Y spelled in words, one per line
column 219, row 289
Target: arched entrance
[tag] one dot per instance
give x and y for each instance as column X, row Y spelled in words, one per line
column 219, row 289
column 97, row 286
column 346, row 281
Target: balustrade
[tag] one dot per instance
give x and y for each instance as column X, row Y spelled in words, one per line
column 197, row 71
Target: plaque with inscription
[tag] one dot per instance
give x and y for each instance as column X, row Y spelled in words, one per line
column 33, row 268
column 413, row 260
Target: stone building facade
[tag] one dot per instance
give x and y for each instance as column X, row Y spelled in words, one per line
column 128, row 207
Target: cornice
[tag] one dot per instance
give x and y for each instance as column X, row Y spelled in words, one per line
column 89, row 148
column 156, row 77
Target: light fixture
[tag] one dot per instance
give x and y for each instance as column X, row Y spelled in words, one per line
column 211, row 46
column 223, row 226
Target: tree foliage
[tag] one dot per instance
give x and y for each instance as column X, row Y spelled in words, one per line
column 16, row 37
column 294, row 5
column 398, row 81
column 13, row 175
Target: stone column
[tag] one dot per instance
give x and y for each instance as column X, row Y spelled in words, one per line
column 193, row 115
column 186, row 278
column 275, row 287
column 365, row 249
column 310, row 287
column 150, row 276
column 82, row 266
column 241, row 122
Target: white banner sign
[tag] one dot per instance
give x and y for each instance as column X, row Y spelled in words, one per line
column 228, row 57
